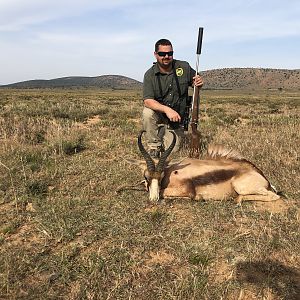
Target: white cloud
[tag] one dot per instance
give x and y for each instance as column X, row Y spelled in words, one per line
column 51, row 38
column 17, row 14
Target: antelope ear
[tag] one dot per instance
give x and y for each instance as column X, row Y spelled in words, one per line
column 137, row 162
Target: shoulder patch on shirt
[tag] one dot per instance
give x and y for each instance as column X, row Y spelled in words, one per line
column 179, row 71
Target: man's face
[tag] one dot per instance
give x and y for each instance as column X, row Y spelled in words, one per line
column 164, row 56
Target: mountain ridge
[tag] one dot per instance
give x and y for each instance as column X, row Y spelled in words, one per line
column 251, row 78
column 223, row 78
column 102, row 81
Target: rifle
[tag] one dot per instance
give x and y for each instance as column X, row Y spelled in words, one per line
column 196, row 135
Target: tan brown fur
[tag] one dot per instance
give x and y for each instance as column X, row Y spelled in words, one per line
column 223, row 174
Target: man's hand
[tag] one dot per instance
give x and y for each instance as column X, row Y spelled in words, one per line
column 172, row 115
column 198, row 81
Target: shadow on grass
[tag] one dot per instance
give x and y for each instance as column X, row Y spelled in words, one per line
column 284, row 281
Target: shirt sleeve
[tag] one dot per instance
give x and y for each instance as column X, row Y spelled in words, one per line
column 148, row 88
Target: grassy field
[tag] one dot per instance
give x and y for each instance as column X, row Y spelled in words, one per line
column 66, row 234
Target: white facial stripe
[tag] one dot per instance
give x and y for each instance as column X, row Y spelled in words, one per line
column 154, row 190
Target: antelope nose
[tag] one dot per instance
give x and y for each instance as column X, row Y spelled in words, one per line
column 154, row 198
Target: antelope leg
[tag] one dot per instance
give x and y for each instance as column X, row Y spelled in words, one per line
column 265, row 198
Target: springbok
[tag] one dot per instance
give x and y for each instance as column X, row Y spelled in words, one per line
column 222, row 174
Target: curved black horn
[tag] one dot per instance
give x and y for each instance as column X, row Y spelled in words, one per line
column 149, row 161
column 163, row 158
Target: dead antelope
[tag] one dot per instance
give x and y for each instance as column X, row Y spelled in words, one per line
column 221, row 175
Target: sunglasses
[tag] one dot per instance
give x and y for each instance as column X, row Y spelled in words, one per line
column 163, row 54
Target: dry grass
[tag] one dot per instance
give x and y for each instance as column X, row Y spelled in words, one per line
column 66, row 234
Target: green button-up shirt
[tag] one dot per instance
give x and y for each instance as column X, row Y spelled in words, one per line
column 170, row 95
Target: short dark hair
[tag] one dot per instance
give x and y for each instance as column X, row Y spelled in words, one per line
column 163, row 42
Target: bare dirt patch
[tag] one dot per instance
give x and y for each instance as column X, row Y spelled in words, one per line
column 89, row 122
column 278, row 206
column 160, row 257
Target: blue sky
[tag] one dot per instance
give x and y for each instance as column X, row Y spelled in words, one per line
column 45, row 39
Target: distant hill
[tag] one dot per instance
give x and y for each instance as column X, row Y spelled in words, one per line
column 104, row 81
column 228, row 78
column 251, row 78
